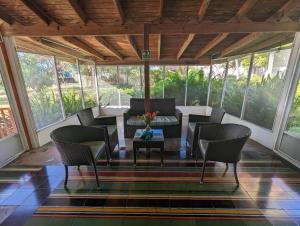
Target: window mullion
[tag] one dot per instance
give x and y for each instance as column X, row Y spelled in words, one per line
column 247, row 86
column 59, row 88
column 80, row 81
column 209, row 84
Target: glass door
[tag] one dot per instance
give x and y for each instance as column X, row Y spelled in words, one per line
column 10, row 142
column 290, row 140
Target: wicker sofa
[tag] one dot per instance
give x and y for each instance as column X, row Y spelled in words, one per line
column 169, row 117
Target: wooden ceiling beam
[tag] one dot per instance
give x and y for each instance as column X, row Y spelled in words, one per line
column 82, row 45
column 38, row 11
column 276, row 17
column 161, row 8
column 119, row 10
column 270, row 42
column 109, row 47
column 284, row 11
column 79, row 11
column 6, row 18
column 185, row 45
column 246, row 7
column 203, row 8
column 60, row 47
column 164, row 61
column 137, row 29
column 219, row 38
column 133, row 46
column 242, row 42
column 158, row 46
column 39, row 48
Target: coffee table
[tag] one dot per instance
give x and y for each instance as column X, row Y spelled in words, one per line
column 157, row 141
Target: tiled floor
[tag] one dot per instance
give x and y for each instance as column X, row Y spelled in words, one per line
column 148, row 194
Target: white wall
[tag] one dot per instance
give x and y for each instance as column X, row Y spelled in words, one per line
column 259, row 134
column 10, row 148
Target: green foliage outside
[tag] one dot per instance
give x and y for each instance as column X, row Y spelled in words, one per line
column 294, row 116
column 39, row 78
column 261, row 106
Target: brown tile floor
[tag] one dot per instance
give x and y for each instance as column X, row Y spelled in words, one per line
column 269, row 192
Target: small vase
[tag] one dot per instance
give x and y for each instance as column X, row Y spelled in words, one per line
column 148, row 128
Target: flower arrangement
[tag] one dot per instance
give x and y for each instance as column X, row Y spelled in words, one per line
column 148, row 117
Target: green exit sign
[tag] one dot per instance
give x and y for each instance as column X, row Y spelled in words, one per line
column 146, row 55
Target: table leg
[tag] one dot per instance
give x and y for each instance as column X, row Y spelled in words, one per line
column 134, row 155
column 162, row 156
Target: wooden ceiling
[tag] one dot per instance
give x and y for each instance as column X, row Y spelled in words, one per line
column 181, row 32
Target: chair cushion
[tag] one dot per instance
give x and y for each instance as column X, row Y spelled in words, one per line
column 159, row 121
column 97, row 147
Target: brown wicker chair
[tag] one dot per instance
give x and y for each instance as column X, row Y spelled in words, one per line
column 80, row 145
column 195, row 121
column 222, row 143
column 109, row 123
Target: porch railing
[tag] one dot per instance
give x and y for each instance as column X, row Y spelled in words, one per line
column 7, row 122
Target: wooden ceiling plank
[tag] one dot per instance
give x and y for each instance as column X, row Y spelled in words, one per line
column 242, row 42
column 203, row 8
column 219, row 38
column 245, row 8
column 276, row 17
column 159, row 46
column 284, row 10
column 38, row 11
column 82, row 45
column 134, row 46
column 6, row 18
column 79, row 11
column 120, row 10
column 185, row 45
column 267, row 43
column 109, row 47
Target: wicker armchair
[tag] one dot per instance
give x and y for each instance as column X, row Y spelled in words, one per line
column 195, row 121
column 80, row 145
column 109, row 123
column 222, row 143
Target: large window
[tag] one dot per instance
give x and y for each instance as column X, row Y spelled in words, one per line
column 235, row 85
column 88, row 80
column 217, row 83
column 7, row 122
column 156, row 81
column 40, row 80
column 117, row 84
column 107, row 84
column 130, row 83
column 174, row 83
column 265, row 87
column 197, row 85
column 70, row 86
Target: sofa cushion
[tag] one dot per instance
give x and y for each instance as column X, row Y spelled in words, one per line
column 163, row 106
column 137, row 106
column 159, row 121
